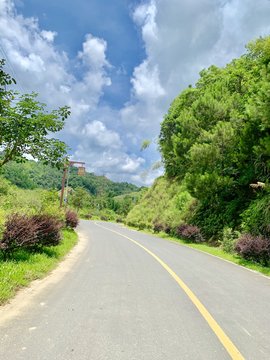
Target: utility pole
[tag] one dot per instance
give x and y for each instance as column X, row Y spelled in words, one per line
column 70, row 163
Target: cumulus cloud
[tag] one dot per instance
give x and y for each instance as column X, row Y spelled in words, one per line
column 146, row 82
column 100, row 135
column 48, row 35
column 93, row 53
column 144, row 16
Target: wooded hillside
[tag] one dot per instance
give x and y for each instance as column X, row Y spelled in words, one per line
column 215, row 142
column 31, row 175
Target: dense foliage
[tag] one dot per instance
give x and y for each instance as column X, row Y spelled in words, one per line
column 25, row 126
column 215, row 138
column 215, row 147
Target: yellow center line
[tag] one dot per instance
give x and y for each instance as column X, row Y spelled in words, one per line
column 227, row 343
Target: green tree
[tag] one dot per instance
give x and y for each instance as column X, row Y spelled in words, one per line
column 25, row 126
column 79, row 198
column 50, row 197
column 215, row 137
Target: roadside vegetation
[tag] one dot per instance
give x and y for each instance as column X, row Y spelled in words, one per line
column 27, row 266
column 215, row 147
column 34, row 236
column 34, row 233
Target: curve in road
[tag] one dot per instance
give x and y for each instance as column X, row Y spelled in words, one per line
column 229, row 346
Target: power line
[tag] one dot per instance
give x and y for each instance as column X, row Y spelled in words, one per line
column 12, row 69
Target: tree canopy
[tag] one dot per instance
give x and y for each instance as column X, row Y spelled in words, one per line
column 25, row 127
column 216, row 136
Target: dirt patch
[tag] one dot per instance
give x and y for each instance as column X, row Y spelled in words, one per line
column 26, row 296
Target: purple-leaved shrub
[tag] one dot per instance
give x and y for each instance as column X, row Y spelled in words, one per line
column 189, row 232
column 49, row 227
column 21, row 231
column 254, row 248
column 72, row 219
column 157, row 227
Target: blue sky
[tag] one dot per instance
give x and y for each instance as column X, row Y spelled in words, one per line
column 119, row 64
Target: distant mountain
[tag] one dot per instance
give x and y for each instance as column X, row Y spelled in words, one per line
column 31, row 175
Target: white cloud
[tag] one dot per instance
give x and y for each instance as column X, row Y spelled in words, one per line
column 48, row 35
column 100, row 135
column 93, row 54
column 146, row 82
column 144, row 16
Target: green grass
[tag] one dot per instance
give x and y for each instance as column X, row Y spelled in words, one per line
column 213, row 251
column 27, row 266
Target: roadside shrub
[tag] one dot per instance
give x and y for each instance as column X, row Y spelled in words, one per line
column 193, row 233
column 167, row 229
column 149, row 225
column 142, row 225
column 72, row 219
column 48, row 230
column 55, row 212
column 132, row 223
column 254, row 248
column 21, row 231
column 158, row 227
column 179, row 229
column 229, row 239
column 88, row 216
column 103, row 218
column 119, row 220
column 189, row 232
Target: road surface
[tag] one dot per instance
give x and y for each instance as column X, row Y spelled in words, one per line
column 132, row 296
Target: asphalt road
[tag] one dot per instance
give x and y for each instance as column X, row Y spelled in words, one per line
column 165, row 301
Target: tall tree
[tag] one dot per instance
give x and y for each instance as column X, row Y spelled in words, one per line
column 25, row 127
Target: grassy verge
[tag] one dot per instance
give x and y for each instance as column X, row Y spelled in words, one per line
column 213, row 251
column 27, row 267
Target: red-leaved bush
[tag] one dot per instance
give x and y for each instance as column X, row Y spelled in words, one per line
column 254, row 248
column 179, row 229
column 190, row 232
column 30, row 232
column 72, row 219
column 21, row 231
column 157, row 227
column 48, row 229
